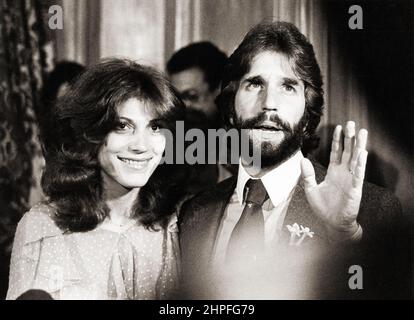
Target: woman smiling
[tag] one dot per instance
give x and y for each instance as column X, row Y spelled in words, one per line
column 105, row 232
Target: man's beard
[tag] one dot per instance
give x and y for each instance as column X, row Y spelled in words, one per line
column 272, row 153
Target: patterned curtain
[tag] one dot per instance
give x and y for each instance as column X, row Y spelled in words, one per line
column 22, row 69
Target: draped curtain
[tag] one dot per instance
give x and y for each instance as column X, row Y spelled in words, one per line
column 22, row 69
column 79, row 39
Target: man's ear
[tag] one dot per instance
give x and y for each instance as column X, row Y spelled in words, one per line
column 216, row 91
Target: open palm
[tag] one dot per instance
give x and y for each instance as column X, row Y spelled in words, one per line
column 336, row 200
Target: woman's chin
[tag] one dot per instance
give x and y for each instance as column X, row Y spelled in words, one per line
column 138, row 183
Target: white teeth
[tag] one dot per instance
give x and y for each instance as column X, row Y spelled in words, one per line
column 267, row 134
column 135, row 164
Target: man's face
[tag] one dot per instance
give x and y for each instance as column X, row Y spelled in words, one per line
column 270, row 102
column 195, row 91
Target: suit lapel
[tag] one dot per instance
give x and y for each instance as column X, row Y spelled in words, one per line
column 300, row 212
column 202, row 231
column 213, row 224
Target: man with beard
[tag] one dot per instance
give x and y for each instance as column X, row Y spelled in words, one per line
column 284, row 227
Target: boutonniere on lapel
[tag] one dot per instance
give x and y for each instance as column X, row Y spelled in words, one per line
column 298, row 233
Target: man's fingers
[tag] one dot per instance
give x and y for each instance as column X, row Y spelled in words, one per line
column 349, row 141
column 308, row 173
column 361, row 145
column 362, row 139
column 359, row 173
column 336, row 148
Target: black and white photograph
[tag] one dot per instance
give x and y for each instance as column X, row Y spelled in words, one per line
column 206, row 150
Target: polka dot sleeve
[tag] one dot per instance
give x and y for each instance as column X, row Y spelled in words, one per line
column 32, row 228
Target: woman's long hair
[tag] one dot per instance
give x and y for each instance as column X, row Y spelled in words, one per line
column 82, row 120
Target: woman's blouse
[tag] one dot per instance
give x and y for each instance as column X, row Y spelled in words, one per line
column 109, row 262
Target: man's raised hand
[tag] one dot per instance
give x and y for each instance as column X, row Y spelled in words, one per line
column 336, row 200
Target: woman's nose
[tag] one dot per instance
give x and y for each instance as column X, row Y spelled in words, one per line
column 138, row 143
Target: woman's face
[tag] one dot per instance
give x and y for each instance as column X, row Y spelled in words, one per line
column 134, row 149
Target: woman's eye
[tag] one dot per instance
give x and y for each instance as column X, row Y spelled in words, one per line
column 254, row 86
column 289, row 88
column 155, row 128
column 122, row 126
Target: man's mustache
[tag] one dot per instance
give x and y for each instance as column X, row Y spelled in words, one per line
column 268, row 121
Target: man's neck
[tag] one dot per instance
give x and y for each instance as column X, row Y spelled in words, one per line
column 259, row 172
column 278, row 180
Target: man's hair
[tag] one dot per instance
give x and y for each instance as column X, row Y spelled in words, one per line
column 81, row 121
column 286, row 39
column 203, row 55
column 65, row 72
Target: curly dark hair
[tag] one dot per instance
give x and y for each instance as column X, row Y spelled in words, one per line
column 81, row 121
column 286, row 39
column 204, row 55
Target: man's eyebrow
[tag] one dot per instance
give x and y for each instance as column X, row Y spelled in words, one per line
column 189, row 90
column 291, row 81
column 254, row 79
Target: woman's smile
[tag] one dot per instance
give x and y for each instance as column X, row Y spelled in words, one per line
column 138, row 164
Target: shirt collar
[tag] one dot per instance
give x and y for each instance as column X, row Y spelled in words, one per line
column 279, row 182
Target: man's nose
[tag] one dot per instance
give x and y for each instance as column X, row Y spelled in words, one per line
column 138, row 143
column 187, row 102
column 270, row 100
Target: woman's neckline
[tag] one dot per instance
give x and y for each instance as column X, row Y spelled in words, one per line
column 109, row 225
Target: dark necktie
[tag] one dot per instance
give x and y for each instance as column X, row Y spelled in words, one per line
column 247, row 239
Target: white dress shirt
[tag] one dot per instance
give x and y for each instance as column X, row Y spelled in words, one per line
column 279, row 183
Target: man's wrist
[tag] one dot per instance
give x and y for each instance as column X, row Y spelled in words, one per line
column 347, row 236
column 357, row 236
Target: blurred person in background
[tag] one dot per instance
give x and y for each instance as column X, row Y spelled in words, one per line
column 196, row 72
column 57, row 83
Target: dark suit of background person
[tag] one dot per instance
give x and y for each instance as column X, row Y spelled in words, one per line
column 320, row 267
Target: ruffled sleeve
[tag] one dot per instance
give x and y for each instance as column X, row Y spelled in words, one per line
column 35, row 226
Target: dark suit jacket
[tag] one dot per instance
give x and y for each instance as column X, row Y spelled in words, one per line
column 200, row 219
